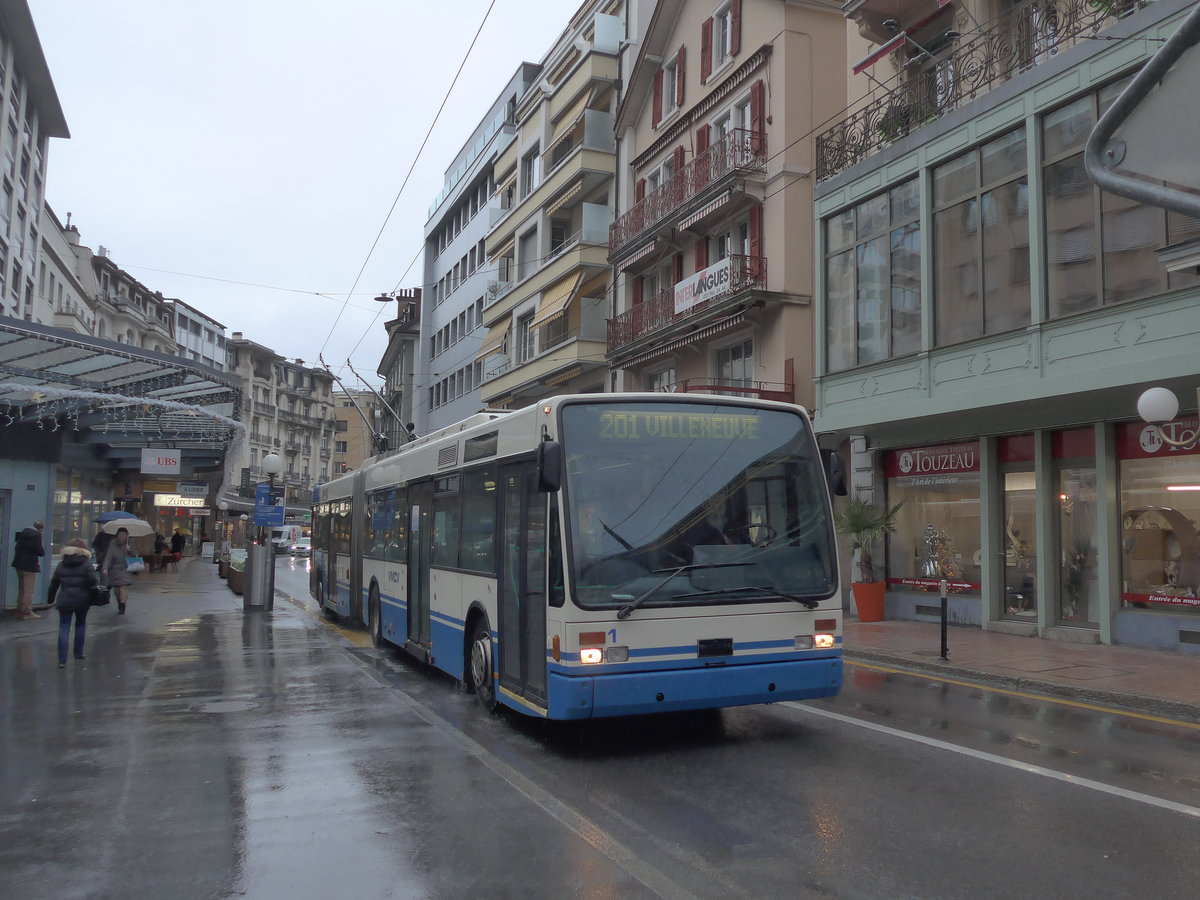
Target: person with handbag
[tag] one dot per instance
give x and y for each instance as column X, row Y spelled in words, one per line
column 116, row 568
column 72, row 588
column 26, row 554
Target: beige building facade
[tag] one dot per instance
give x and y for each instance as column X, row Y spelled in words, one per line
column 712, row 246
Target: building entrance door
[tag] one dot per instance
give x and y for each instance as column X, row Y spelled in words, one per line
column 1018, row 562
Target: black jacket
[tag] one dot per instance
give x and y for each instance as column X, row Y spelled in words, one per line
column 73, row 580
column 29, row 548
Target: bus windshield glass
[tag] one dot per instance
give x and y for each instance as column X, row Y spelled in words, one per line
column 677, row 504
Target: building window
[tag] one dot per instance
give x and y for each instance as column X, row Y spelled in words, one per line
column 873, row 279
column 527, row 254
column 722, row 35
column 339, row 446
column 525, row 338
column 670, row 84
column 981, row 241
column 531, row 166
column 662, row 380
column 735, row 364
column 1100, row 248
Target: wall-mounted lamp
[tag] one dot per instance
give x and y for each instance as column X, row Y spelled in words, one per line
column 1158, row 405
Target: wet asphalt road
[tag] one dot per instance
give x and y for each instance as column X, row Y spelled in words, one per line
column 202, row 752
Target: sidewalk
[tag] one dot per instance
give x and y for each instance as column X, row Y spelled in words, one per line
column 1153, row 682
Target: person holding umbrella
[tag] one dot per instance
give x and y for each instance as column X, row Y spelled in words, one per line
column 114, row 564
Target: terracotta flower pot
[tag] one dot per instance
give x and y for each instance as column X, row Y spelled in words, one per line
column 868, row 600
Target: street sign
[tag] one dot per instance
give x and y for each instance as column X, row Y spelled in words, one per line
column 268, row 512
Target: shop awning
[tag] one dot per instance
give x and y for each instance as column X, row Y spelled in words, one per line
column 641, row 254
column 569, row 119
column 493, row 340
column 706, row 210
column 564, row 198
column 556, row 298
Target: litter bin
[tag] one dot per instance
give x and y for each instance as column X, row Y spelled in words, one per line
column 259, row 591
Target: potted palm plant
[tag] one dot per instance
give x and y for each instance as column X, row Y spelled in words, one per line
column 865, row 523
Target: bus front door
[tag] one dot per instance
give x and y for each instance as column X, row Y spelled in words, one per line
column 522, row 592
column 420, row 541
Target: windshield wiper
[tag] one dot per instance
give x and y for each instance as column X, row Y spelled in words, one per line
column 624, row 611
column 775, row 592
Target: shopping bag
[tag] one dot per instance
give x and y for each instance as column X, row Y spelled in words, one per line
column 100, row 595
column 135, row 564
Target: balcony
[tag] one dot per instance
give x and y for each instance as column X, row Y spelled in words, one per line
column 325, row 453
column 1006, row 47
column 738, row 153
column 657, row 314
column 735, row 387
column 561, row 355
column 264, row 408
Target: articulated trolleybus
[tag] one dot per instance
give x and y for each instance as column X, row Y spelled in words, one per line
column 597, row 555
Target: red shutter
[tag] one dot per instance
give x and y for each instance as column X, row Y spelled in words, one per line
column 701, row 254
column 754, row 269
column 758, row 93
column 637, row 290
column 658, row 78
column 706, row 30
column 678, row 267
column 639, row 190
column 735, row 27
column 677, row 158
column 681, row 72
column 701, row 139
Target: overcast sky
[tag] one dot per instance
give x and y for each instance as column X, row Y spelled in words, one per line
column 242, row 155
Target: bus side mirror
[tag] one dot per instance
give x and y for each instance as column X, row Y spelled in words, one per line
column 549, row 466
column 835, row 472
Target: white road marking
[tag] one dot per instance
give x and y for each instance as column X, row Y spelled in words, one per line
column 1182, row 808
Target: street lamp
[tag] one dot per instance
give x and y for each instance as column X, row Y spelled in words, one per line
column 272, row 464
column 1158, row 405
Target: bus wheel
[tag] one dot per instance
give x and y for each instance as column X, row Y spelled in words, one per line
column 376, row 622
column 480, row 665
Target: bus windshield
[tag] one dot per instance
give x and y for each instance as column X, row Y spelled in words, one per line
column 675, row 504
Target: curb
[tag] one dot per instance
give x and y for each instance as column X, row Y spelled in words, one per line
column 1151, row 706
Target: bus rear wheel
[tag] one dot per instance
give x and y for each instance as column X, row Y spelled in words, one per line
column 376, row 622
column 479, row 664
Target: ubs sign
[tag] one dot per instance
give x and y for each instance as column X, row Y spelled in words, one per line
column 160, row 462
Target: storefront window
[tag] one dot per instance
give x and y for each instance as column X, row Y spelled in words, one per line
column 1078, row 586
column 937, row 532
column 1160, row 506
column 1020, row 560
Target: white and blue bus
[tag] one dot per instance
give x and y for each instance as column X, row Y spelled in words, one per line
column 597, row 555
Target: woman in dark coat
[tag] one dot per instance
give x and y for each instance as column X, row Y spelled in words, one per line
column 113, row 566
column 72, row 582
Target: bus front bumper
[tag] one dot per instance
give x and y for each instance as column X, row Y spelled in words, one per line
column 671, row 690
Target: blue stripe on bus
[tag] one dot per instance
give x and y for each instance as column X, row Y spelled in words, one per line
column 691, row 661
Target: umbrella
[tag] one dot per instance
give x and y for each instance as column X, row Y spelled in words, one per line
column 183, row 530
column 114, row 514
column 135, row 526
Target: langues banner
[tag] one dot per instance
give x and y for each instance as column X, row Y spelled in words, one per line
column 704, row 285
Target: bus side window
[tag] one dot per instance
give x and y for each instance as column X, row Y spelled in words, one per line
column 555, row 595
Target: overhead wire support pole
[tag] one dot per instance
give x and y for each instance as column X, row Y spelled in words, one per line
column 379, row 397
column 379, row 440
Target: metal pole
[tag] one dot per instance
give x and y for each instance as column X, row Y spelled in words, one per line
column 945, row 613
column 269, row 600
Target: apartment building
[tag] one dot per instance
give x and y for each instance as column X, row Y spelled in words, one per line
column 545, row 312
column 288, row 410
column 713, row 243
column 988, row 318
column 358, row 417
column 458, row 278
column 399, row 365
column 200, row 337
column 30, row 115
column 66, row 281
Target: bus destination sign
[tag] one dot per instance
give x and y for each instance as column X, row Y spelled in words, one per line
column 624, row 426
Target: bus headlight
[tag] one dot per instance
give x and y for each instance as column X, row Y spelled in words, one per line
column 824, row 641
column 804, row 642
column 618, row 654
column 591, row 656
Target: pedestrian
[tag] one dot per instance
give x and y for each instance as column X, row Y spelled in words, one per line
column 177, row 543
column 100, row 544
column 160, row 544
column 72, row 584
column 114, row 568
column 25, row 560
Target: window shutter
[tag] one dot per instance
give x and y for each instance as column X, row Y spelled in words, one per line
column 706, row 31
column 735, row 27
column 756, row 232
column 701, row 139
column 757, row 97
column 658, row 79
column 678, row 267
column 677, row 158
column 701, row 254
column 637, row 290
column 681, row 72
column 639, row 190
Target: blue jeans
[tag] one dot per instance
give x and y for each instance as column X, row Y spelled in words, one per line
column 64, row 631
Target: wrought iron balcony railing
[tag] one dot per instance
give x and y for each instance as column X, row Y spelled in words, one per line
column 1009, row 45
column 738, row 387
column 658, row 312
column 739, row 151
